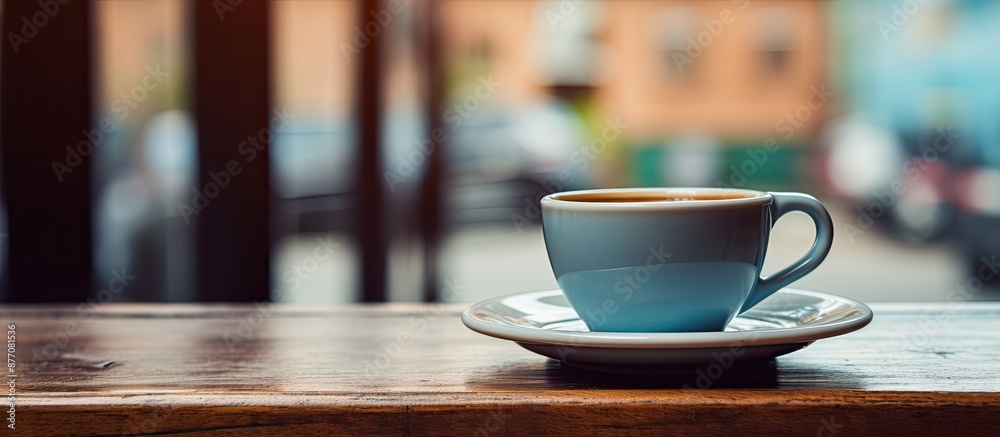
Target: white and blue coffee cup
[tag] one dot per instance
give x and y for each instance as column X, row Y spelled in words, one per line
column 671, row 259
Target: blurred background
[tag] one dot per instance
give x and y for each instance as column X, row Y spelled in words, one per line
column 320, row 151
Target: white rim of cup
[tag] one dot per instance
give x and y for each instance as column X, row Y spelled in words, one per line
column 753, row 197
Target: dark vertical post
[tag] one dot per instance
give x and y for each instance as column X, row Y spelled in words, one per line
column 47, row 138
column 433, row 186
column 369, row 184
column 233, row 115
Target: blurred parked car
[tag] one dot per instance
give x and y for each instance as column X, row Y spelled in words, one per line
column 496, row 160
column 907, row 187
column 501, row 161
column 978, row 216
column 889, row 182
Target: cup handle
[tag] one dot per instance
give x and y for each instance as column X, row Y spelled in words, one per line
column 782, row 204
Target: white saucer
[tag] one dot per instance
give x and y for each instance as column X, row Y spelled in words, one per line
column 544, row 323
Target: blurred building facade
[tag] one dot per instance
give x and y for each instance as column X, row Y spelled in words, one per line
column 691, row 80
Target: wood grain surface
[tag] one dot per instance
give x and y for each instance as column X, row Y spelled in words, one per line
column 406, row 369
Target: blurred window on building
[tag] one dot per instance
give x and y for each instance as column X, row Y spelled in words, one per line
column 677, row 32
column 776, row 40
column 571, row 54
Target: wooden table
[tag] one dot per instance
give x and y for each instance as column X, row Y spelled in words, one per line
column 403, row 369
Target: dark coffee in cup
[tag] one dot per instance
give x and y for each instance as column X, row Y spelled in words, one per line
column 634, row 197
